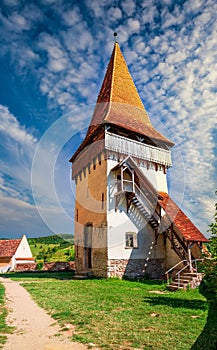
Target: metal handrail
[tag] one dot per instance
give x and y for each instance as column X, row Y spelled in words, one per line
column 179, row 272
column 172, row 268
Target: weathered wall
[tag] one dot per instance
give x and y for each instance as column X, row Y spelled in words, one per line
column 90, row 186
column 136, row 268
column 53, row 266
column 5, row 261
column 90, row 208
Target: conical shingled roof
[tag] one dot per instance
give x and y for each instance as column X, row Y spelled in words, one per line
column 119, row 104
column 118, row 87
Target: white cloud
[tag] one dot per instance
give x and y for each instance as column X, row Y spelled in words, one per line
column 128, row 6
column 72, row 17
column 19, row 23
column 15, row 180
column 10, row 126
column 114, row 13
column 134, row 25
column 97, row 7
column 57, row 65
column 11, row 2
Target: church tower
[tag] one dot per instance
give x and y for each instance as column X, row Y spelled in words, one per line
column 123, row 226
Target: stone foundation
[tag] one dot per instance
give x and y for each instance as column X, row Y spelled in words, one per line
column 136, row 268
column 98, row 261
column 53, row 266
column 25, row 267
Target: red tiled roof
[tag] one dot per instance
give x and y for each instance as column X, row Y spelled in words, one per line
column 189, row 231
column 8, row 247
column 28, row 259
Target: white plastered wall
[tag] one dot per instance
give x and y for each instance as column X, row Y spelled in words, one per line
column 23, row 250
column 119, row 223
column 157, row 178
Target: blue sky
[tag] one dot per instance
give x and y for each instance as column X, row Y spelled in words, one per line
column 52, row 62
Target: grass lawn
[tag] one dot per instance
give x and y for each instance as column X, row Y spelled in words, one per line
column 4, row 329
column 116, row 314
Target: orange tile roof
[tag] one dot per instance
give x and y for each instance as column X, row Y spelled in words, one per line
column 185, row 226
column 119, row 104
column 8, row 247
column 27, row 259
column 118, row 85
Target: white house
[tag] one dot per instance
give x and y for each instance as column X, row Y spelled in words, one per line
column 13, row 252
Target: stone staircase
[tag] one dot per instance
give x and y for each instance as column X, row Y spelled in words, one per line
column 186, row 280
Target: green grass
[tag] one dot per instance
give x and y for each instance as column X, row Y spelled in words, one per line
column 116, row 314
column 4, row 329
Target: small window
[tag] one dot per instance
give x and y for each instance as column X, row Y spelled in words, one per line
column 131, row 240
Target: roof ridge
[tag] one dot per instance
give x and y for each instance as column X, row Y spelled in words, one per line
column 112, row 80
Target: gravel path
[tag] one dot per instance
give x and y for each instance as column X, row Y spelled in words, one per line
column 34, row 328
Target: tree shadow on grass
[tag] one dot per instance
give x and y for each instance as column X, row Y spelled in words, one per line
column 176, row 302
column 60, row 275
column 207, row 340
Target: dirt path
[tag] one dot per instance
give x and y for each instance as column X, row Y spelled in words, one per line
column 34, row 328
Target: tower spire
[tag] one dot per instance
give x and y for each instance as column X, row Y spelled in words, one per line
column 120, row 105
column 115, row 36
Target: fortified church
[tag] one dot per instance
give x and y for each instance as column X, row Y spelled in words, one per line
column 126, row 224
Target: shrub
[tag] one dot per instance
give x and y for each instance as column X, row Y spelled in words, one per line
column 39, row 266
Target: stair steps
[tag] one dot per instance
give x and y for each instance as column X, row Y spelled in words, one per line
column 144, row 212
column 187, row 280
column 82, row 275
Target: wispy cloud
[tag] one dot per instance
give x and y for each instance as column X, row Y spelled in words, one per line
column 16, row 179
column 10, row 126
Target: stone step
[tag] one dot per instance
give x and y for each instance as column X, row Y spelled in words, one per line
column 81, row 275
column 175, row 287
column 193, row 274
column 78, row 277
column 187, row 279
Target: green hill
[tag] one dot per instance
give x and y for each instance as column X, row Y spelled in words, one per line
column 52, row 248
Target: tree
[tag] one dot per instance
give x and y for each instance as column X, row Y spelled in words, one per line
column 210, row 265
column 213, row 230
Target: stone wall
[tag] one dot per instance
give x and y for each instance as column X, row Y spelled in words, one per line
column 99, row 267
column 53, row 266
column 59, row 266
column 25, row 267
column 135, row 268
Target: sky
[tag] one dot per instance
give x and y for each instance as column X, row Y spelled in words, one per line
column 53, row 57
